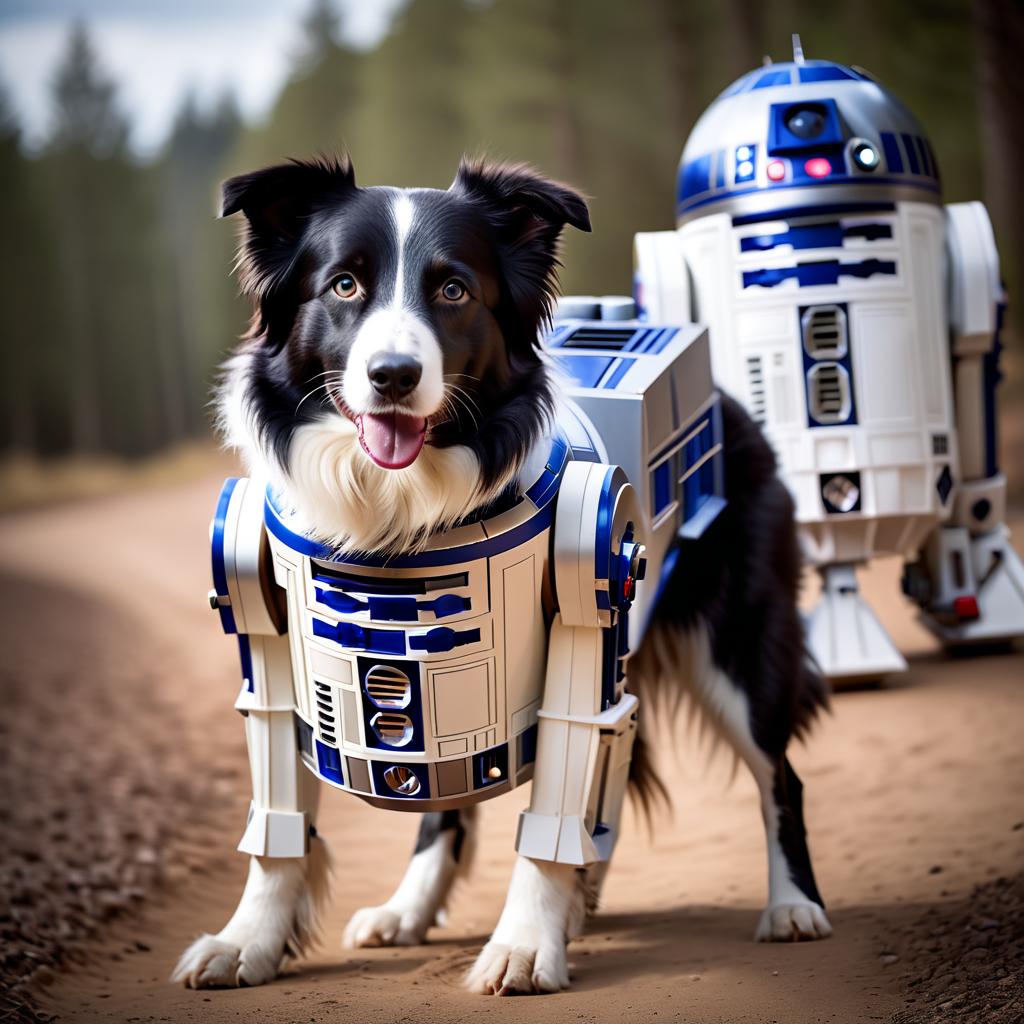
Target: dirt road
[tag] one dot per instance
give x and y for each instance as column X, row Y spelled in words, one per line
column 914, row 798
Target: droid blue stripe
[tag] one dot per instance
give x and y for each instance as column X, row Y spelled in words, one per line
column 442, row 639
column 661, row 485
column 656, row 341
column 922, row 152
column 354, row 637
column 992, row 376
column 585, row 370
column 893, row 160
column 814, row 211
column 328, row 762
column 218, row 565
column 911, row 151
column 811, row 275
column 393, row 609
column 612, row 380
column 558, row 455
column 815, row 236
column 695, row 178
column 602, row 551
column 827, row 73
column 545, row 488
column 770, row 79
column 444, row 556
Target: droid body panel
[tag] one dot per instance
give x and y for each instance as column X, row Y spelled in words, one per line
column 436, row 679
column 838, row 293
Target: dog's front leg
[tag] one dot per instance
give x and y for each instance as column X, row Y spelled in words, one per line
column 444, row 852
column 544, row 909
column 585, row 732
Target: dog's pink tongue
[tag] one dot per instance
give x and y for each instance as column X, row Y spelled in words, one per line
column 392, row 439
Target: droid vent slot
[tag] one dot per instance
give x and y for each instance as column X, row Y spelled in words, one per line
column 325, row 712
column 393, row 729
column 388, row 687
column 829, row 392
column 758, row 398
column 591, row 337
column 824, row 331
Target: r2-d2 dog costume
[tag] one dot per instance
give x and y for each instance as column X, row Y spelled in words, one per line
column 438, row 679
column 857, row 319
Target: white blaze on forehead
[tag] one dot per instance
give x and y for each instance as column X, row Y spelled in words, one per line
column 396, row 327
column 403, row 211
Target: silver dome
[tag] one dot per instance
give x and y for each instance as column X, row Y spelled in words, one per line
column 800, row 134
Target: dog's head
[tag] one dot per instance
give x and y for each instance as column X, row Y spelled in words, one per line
column 398, row 328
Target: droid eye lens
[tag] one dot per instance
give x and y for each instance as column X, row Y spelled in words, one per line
column 865, row 156
column 806, row 122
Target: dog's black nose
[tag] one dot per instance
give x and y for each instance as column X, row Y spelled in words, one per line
column 393, row 375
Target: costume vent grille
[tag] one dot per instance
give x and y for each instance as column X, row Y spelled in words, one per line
column 388, row 687
column 824, row 331
column 615, row 338
column 828, row 390
column 325, row 712
column 758, row 397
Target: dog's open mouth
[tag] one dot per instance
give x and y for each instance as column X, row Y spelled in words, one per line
column 391, row 439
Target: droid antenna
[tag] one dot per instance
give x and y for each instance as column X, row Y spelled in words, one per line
column 798, row 50
column 766, row 61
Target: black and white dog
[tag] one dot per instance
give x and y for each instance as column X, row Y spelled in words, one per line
column 391, row 383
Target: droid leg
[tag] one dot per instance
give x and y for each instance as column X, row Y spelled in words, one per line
column 969, row 580
column 289, row 863
column 444, row 853
column 843, row 633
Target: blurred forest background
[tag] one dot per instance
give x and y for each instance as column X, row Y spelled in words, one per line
column 115, row 297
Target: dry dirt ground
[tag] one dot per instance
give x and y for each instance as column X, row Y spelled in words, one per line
column 124, row 791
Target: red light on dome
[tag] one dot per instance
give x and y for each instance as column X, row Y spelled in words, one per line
column 776, row 170
column 818, row 167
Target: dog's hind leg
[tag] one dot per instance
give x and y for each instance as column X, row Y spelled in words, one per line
column 289, row 863
column 444, row 852
column 795, row 909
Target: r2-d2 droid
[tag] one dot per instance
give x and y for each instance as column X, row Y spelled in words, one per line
column 857, row 318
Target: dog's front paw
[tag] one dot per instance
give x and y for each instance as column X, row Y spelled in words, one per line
column 211, row 962
column 504, row 970
column 385, row 925
column 793, row 922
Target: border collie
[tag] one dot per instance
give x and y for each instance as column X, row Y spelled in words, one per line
column 390, row 384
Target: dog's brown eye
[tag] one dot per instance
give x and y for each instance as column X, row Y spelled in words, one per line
column 453, row 290
column 346, row 287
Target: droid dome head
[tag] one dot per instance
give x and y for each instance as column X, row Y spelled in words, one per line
column 802, row 134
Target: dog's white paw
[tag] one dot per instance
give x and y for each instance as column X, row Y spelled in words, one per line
column 386, row 925
column 212, row 963
column 793, row 922
column 504, row 970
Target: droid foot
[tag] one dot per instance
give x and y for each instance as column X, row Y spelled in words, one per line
column 844, row 634
column 971, row 589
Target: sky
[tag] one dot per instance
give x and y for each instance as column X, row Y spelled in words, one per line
column 158, row 50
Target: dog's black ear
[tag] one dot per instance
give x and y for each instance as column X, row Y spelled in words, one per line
column 517, row 188
column 276, row 202
column 528, row 212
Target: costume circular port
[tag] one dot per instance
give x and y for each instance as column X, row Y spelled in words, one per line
column 402, row 780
